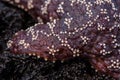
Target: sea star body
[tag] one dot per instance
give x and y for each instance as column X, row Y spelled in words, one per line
column 69, row 28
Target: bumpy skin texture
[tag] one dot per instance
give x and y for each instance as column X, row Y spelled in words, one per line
column 69, row 28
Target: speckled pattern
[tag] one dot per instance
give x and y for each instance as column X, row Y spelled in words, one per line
column 68, row 28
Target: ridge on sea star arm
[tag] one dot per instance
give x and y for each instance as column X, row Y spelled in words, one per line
column 73, row 27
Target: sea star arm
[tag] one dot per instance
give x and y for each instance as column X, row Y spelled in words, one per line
column 40, row 10
column 107, row 65
column 73, row 27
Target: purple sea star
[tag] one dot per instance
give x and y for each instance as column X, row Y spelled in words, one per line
column 69, row 28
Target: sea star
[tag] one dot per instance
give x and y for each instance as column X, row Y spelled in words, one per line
column 69, row 28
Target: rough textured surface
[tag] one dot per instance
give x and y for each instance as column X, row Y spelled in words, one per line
column 23, row 67
column 75, row 28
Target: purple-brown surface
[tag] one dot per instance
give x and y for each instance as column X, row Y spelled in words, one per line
column 69, row 28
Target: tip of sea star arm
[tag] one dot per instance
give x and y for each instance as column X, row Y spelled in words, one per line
column 35, row 41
